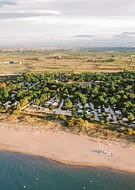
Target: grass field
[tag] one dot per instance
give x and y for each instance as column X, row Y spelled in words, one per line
column 65, row 61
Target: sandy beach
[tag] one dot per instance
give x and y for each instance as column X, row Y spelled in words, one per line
column 67, row 148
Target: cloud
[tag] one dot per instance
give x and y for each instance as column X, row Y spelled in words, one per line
column 54, row 40
column 7, row 2
column 125, row 36
column 80, row 21
column 84, row 36
column 92, row 7
column 131, row 34
column 27, row 13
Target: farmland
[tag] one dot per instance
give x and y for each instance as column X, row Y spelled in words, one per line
column 50, row 61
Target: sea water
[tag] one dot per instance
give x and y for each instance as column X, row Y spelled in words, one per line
column 19, row 172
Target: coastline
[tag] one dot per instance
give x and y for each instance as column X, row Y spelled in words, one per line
column 67, row 148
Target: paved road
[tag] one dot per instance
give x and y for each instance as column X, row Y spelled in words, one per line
column 113, row 115
column 62, row 112
column 61, row 105
column 95, row 112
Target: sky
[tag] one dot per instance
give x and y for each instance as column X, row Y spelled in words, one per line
column 83, row 23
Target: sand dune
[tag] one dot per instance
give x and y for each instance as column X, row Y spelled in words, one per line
column 67, row 148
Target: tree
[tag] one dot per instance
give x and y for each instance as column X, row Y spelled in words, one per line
column 62, row 117
column 24, row 101
column 2, row 85
column 113, row 100
column 43, row 98
column 37, row 102
column 101, row 99
column 130, row 131
column 6, row 93
column 68, row 104
column 71, row 122
column 18, row 107
column 128, row 104
column 83, row 99
column 20, row 93
column 131, row 117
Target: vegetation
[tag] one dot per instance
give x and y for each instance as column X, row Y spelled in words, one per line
column 92, row 103
column 83, row 60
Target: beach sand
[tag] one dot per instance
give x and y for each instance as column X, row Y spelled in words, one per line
column 67, row 148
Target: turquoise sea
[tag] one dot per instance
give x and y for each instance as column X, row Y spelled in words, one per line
column 19, row 172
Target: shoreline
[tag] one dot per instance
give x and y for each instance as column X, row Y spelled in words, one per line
column 66, row 148
column 69, row 164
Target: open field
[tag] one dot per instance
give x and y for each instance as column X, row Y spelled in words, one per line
column 18, row 61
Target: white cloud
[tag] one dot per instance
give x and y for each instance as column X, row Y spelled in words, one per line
column 54, row 19
column 12, row 14
column 53, row 12
column 7, row 2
